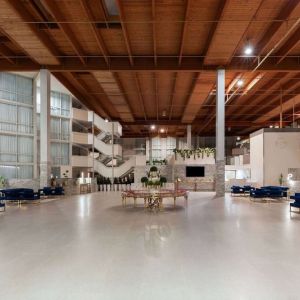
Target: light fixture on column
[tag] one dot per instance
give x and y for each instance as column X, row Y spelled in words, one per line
column 106, row 120
column 162, row 130
column 152, row 127
column 164, row 113
column 238, row 138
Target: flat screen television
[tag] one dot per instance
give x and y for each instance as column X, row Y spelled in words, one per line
column 194, row 171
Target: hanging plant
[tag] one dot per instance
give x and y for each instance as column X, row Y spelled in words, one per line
column 196, row 153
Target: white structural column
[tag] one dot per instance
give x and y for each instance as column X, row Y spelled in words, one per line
column 220, row 134
column 189, row 136
column 45, row 156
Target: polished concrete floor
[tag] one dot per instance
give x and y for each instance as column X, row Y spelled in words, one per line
column 89, row 247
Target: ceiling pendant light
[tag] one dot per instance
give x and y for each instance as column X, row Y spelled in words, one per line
column 240, row 82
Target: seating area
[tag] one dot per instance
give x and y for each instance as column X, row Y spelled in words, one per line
column 21, row 195
column 263, row 193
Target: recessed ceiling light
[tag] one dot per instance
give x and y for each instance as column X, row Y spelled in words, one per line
column 238, row 138
column 248, row 50
column 162, row 130
column 240, row 82
column 152, row 127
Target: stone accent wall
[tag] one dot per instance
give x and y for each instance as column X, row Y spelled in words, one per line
column 171, row 172
column 220, row 178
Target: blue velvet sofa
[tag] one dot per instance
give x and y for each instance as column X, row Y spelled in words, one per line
column 276, row 190
column 237, row 190
column 296, row 203
column 241, row 190
column 19, row 195
column 271, row 192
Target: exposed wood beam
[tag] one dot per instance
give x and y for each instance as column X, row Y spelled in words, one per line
column 137, row 82
column 79, row 92
column 96, row 32
column 6, row 53
column 184, row 30
column 102, row 111
column 58, row 16
column 255, row 100
column 173, row 95
column 292, row 42
column 288, row 103
column 214, row 25
column 154, row 31
column 42, row 38
column 156, row 95
column 284, row 13
column 290, row 86
column 120, row 85
column 229, row 123
column 71, row 64
column 124, row 29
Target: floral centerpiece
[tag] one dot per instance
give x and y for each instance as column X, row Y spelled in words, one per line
column 153, row 179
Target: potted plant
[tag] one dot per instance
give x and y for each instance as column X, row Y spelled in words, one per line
column 144, row 181
column 280, row 179
column 2, row 182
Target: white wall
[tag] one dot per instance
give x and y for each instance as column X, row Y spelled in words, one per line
column 257, row 158
column 281, row 151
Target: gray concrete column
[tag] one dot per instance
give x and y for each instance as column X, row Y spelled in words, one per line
column 220, row 134
column 150, row 151
column 45, row 155
column 189, row 136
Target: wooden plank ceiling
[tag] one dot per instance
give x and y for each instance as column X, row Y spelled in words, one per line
column 153, row 61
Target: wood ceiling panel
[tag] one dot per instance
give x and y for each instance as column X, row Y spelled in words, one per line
column 115, row 94
column 267, row 12
column 74, row 12
column 182, row 91
column 234, row 22
column 169, row 17
column 165, row 84
column 114, row 41
column 203, row 85
column 147, row 86
column 138, row 16
column 197, row 32
column 129, row 84
column 35, row 43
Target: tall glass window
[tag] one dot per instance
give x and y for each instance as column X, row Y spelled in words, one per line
column 16, row 126
column 60, row 110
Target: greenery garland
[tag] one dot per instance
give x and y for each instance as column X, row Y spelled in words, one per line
column 196, row 153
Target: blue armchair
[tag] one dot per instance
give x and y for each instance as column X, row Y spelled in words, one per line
column 237, row 190
column 296, row 203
